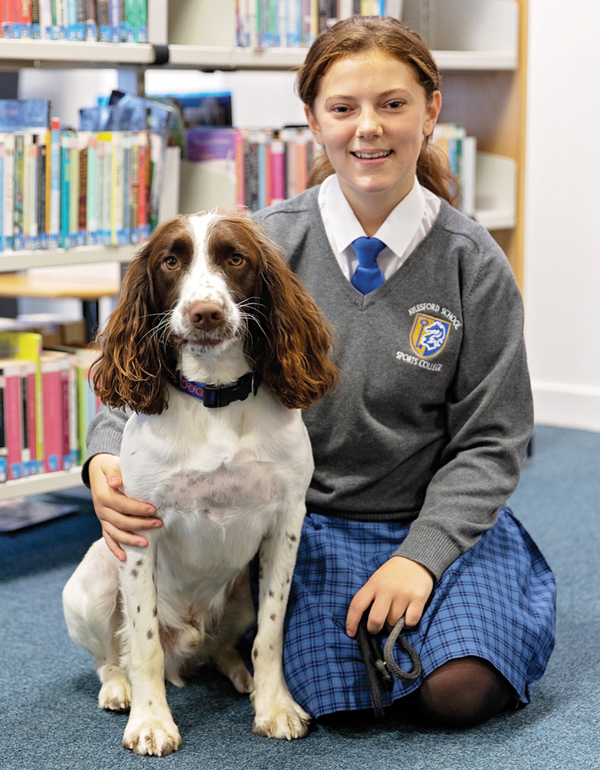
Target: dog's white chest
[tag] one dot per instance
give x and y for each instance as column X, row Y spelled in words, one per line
column 232, row 488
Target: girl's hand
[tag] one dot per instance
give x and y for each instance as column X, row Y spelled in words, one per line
column 120, row 516
column 399, row 587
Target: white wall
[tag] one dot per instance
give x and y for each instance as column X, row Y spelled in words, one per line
column 562, row 239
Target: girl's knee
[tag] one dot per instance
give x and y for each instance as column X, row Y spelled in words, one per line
column 463, row 693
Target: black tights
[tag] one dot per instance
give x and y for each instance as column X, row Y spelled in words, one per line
column 462, row 693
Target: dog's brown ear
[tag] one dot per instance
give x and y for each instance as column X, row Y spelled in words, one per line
column 293, row 348
column 135, row 364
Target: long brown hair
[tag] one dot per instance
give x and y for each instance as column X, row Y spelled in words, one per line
column 389, row 36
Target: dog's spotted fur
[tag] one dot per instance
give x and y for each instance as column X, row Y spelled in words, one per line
column 210, row 295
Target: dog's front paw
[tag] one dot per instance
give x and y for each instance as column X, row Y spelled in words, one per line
column 158, row 737
column 282, row 719
column 115, row 694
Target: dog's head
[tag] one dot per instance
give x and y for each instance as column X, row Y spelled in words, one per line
column 199, row 283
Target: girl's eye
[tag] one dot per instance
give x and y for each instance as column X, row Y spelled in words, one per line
column 170, row 263
column 236, row 260
column 395, row 104
column 340, row 109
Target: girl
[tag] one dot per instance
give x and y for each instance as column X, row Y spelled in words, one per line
column 419, row 449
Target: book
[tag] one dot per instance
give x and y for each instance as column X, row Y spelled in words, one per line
column 52, row 413
column 3, row 441
column 27, row 346
column 8, row 191
column 53, row 175
column 12, row 376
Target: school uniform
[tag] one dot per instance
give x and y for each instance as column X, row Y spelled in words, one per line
column 418, row 450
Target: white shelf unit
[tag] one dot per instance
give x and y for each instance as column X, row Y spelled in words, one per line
column 465, row 36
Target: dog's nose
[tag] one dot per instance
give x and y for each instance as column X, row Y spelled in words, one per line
column 206, row 315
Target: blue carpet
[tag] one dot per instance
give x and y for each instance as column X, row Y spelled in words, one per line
column 48, row 714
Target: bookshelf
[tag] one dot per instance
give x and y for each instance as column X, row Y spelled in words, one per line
column 480, row 46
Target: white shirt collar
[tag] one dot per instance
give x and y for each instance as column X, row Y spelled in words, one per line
column 396, row 232
column 402, row 231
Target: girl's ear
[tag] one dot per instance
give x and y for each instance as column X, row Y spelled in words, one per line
column 313, row 124
column 432, row 112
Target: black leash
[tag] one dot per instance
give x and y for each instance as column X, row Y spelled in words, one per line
column 381, row 667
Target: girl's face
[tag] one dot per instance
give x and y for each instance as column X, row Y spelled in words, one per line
column 371, row 115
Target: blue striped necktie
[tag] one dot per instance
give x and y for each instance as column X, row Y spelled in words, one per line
column 367, row 276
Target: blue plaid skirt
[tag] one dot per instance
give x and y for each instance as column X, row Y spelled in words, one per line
column 496, row 601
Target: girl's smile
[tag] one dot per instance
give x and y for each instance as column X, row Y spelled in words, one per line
column 371, row 115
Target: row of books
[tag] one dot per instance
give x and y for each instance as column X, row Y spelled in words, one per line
column 46, row 405
column 296, row 23
column 110, row 21
column 96, row 186
column 461, row 151
column 264, row 166
column 72, row 188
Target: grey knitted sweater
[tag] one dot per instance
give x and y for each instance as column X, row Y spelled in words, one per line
column 434, row 412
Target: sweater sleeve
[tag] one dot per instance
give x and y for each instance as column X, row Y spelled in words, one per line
column 489, row 420
column 104, row 435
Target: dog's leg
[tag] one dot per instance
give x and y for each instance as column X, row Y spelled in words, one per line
column 92, row 616
column 238, row 617
column 277, row 715
column 150, row 729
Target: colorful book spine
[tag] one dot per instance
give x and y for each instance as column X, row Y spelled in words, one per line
column 114, row 10
column 91, row 208
column 82, row 139
column 2, row 244
column 132, row 200
column 45, row 19
column 55, row 159
column 19, row 180
column 11, row 371
column 277, row 171
column 65, row 190
column 74, row 192
column 22, row 24
column 29, row 418
column 35, row 19
column 91, row 21
column 53, row 414
column 27, row 192
column 61, row 20
column 144, row 186
column 116, row 223
column 8, row 191
column 41, row 186
column 105, row 138
column 142, row 21
column 124, row 232
column 104, row 21
column 3, row 444
column 130, row 8
column 74, row 453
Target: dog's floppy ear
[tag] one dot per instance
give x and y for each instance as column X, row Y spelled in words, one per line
column 135, row 364
column 294, row 345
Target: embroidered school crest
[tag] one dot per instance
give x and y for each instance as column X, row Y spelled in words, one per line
column 428, row 335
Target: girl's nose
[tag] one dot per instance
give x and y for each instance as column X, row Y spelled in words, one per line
column 368, row 123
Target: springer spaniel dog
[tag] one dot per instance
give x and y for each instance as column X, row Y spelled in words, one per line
column 215, row 346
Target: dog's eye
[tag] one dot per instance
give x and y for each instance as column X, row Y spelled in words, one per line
column 170, row 263
column 236, row 260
